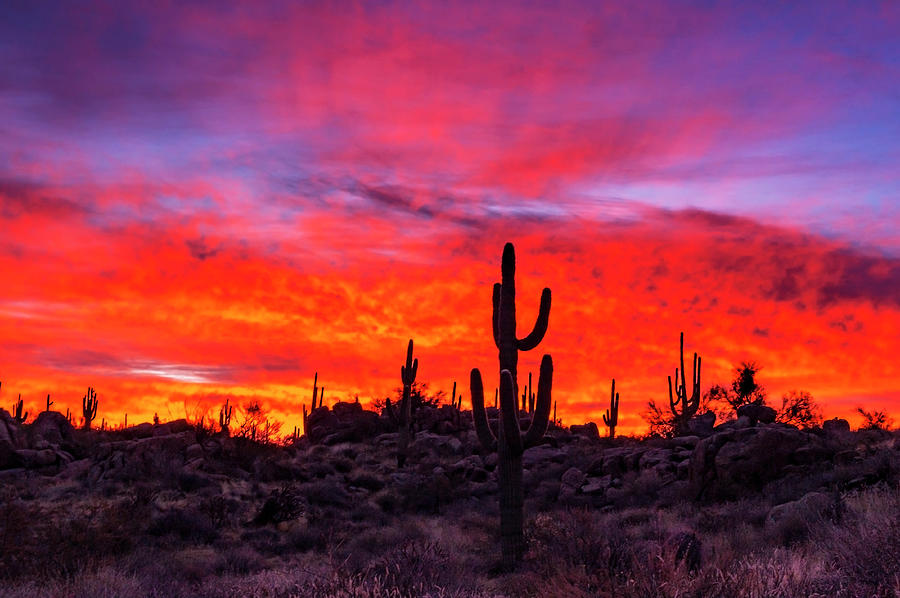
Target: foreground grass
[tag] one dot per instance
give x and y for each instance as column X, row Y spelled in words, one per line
column 115, row 546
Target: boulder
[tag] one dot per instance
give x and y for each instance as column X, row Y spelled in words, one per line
column 344, row 422
column 836, row 425
column 51, row 429
column 588, row 430
column 809, row 509
column 11, row 440
column 757, row 413
column 570, row 484
column 702, row 425
column 729, row 464
column 653, row 457
column 540, row 454
column 32, row 459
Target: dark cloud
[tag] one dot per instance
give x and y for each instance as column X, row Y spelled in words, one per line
column 20, row 198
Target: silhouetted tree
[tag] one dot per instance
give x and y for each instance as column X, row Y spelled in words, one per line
column 799, row 409
column 875, row 420
column 419, row 395
column 256, row 426
column 745, row 389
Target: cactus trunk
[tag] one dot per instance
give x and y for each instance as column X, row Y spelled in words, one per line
column 512, row 500
column 510, row 443
column 408, row 376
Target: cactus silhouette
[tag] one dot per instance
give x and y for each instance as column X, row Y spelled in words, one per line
column 456, row 404
column 49, row 402
column 89, row 404
column 504, row 317
column 611, row 417
column 408, row 376
column 225, row 417
column 313, row 406
column 684, row 407
column 510, row 444
column 528, row 397
column 18, row 408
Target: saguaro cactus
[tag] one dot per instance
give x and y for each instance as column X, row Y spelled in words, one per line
column 314, row 405
column 89, row 404
column 18, row 415
column 456, row 403
column 684, row 407
column 611, row 417
column 510, row 443
column 225, row 412
column 504, row 317
column 528, row 397
column 49, row 402
column 408, row 376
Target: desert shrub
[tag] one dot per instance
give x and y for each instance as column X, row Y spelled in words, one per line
column 414, row 568
column 365, row 479
column 104, row 583
column 221, row 510
column 189, row 481
column 189, row 524
column 388, row 499
column 283, row 504
column 865, row 547
column 342, row 464
column 799, row 409
column 325, row 493
column 874, row 420
column 320, row 469
column 241, row 560
column 579, row 539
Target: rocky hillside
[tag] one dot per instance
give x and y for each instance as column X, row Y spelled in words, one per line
column 174, row 509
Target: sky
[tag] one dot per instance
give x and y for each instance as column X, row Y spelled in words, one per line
column 213, row 201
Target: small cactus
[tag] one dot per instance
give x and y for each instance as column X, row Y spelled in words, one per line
column 408, row 376
column 528, row 397
column 611, row 417
column 49, row 402
column 18, row 407
column 456, row 403
column 314, row 405
column 89, row 403
column 684, row 407
column 225, row 412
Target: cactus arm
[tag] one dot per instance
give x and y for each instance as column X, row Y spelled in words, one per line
column 315, row 391
column 673, row 404
column 540, row 419
column 408, row 371
column 540, row 326
column 495, row 317
column 479, row 415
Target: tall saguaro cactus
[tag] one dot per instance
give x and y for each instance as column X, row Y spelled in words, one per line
column 510, row 443
column 89, row 404
column 408, row 376
column 684, row 407
column 504, row 317
column 611, row 417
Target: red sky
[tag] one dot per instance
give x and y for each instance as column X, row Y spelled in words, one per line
column 210, row 203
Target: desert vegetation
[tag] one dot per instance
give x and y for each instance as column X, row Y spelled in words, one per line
column 727, row 496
